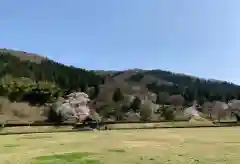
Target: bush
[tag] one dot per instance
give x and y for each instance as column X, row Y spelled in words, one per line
column 168, row 113
column 53, row 116
column 125, row 109
column 107, row 111
column 146, row 111
column 2, row 126
column 135, row 105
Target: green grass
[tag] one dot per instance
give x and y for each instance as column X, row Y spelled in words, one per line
column 156, row 146
column 67, row 158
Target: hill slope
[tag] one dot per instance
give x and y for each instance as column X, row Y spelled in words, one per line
column 24, row 56
column 154, row 80
column 21, row 64
column 145, row 84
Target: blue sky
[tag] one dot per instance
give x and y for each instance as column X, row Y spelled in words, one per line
column 198, row 37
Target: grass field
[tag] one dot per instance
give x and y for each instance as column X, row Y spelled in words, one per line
column 162, row 146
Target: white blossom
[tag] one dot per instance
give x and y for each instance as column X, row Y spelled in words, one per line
column 75, row 106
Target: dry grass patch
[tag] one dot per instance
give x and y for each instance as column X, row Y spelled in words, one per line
column 196, row 120
column 34, row 129
column 192, row 122
column 19, row 112
column 168, row 146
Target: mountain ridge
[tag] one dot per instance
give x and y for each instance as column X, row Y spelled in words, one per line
column 112, row 93
column 153, row 80
column 34, row 57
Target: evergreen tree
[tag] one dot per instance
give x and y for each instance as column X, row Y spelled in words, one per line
column 96, row 91
column 117, row 95
column 135, row 105
column 162, row 98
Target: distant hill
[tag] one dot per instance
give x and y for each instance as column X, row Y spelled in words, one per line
column 25, row 56
column 102, row 84
column 189, row 86
column 23, row 64
column 153, row 80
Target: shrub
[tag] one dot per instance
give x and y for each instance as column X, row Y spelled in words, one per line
column 2, row 126
column 168, row 113
column 107, row 111
column 146, row 111
column 135, row 105
column 117, row 95
column 53, row 115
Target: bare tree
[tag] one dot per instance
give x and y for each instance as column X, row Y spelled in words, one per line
column 176, row 100
column 234, row 106
column 146, row 110
column 218, row 109
column 207, row 108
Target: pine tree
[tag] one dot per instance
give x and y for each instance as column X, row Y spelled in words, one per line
column 117, row 95
column 135, row 105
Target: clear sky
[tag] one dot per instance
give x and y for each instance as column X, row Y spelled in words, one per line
column 198, row 37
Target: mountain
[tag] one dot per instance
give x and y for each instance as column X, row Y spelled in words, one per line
column 22, row 64
column 102, row 84
column 41, row 68
column 189, row 86
column 24, row 56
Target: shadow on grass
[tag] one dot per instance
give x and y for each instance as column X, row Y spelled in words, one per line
column 11, row 145
column 117, row 150
column 73, row 158
column 35, row 137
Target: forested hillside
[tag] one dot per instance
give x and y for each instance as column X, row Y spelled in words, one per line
column 12, row 69
column 64, row 76
column 39, row 80
column 189, row 87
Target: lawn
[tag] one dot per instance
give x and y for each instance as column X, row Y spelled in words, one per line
column 159, row 146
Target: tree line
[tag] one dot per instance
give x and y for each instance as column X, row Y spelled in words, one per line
column 191, row 88
column 43, row 82
column 19, row 79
